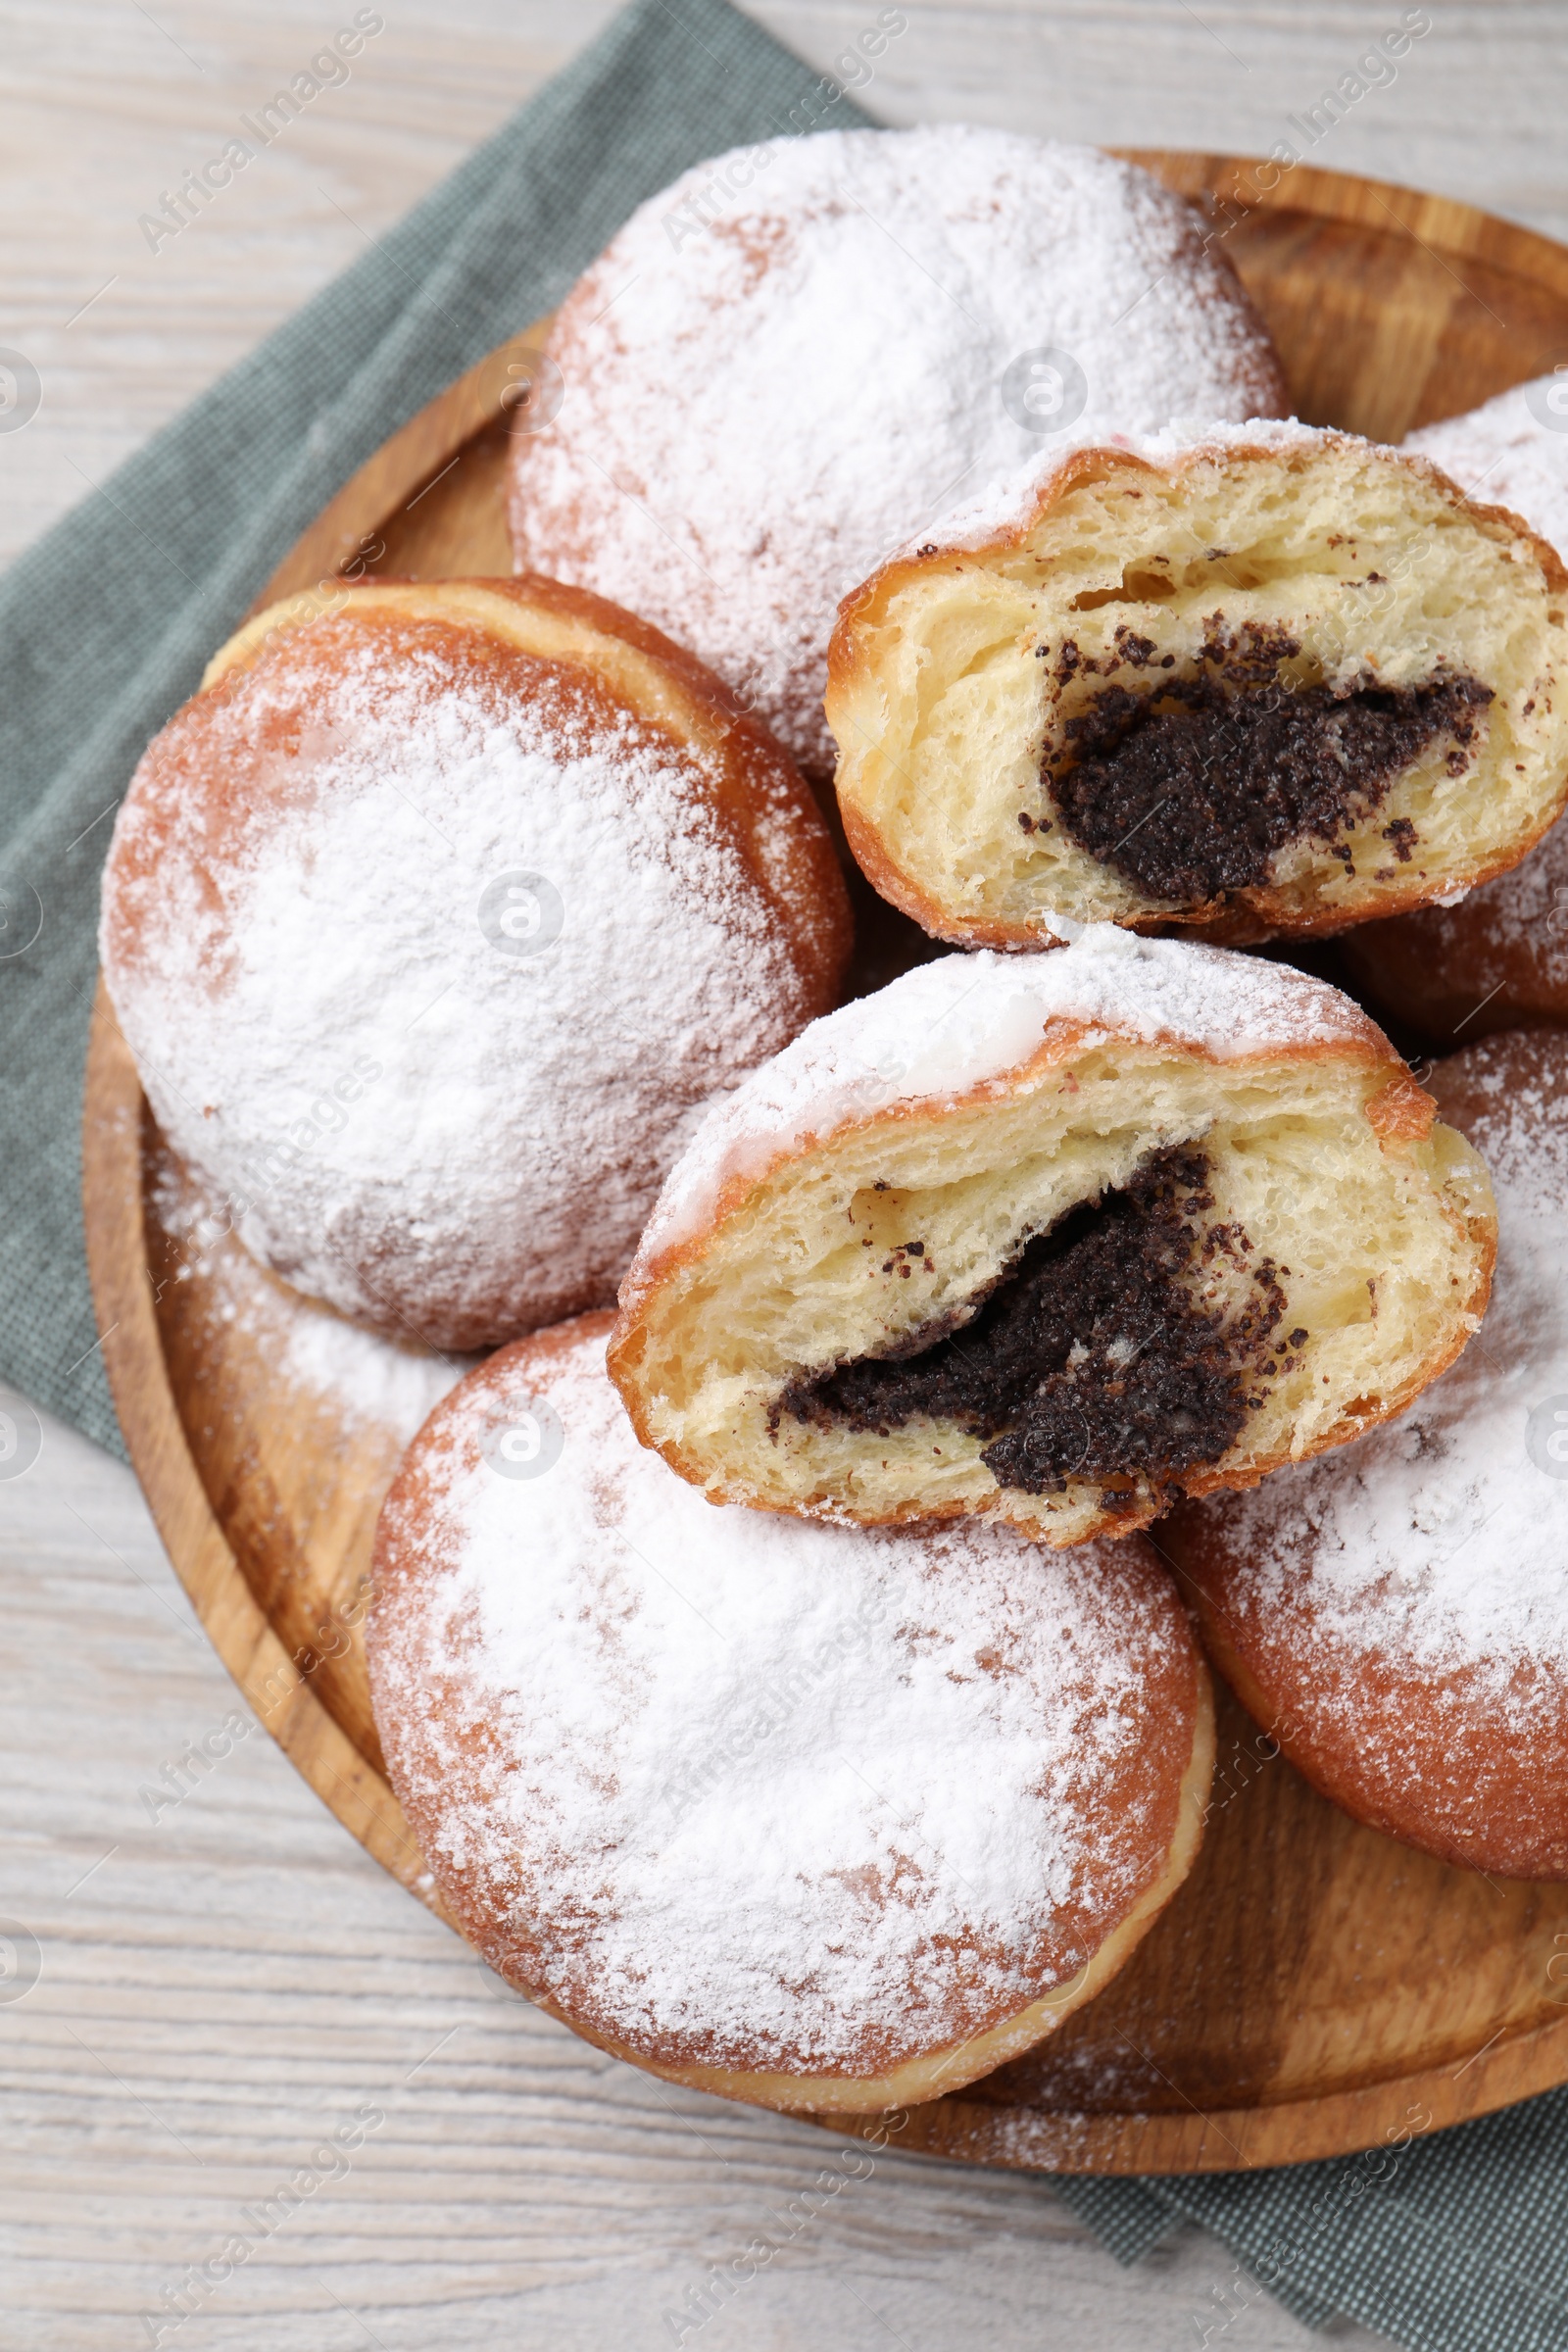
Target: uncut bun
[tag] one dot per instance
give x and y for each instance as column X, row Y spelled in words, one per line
column 435, row 922
column 1398, row 1613
column 1260, row 1245
column 1250, row 681
column 795, row 357
column 806, row 1817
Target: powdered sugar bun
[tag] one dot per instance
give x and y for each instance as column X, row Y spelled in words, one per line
column 1398, row 1614
column 1050, row 1239
column 434, row 922
column 811, row 1818
column 1511, row 452
column 801, row 354
column 1497, row 958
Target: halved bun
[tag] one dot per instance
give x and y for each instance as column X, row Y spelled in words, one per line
column 1181, row 1205
column 1260, row 679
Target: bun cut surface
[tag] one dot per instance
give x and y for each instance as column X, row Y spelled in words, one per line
column 1247, row 681
column 1051, row 1240
column 1498, row 957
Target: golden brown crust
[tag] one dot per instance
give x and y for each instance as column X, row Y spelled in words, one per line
column 556, row 1193
column 1245, row 917
column 1468, row 1792
column 934, row 2075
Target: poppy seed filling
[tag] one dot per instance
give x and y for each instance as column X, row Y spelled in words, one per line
column 1191, row 787
column 1091, row 1356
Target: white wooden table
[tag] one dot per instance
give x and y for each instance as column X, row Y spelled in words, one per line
column 226, row 1979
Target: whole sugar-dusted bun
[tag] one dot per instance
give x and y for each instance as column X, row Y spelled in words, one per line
column 433, row 923
column 1052, row 1239
column 1241, row 682
column 1396, row 1614
column 801, row 354
column 808, row 1817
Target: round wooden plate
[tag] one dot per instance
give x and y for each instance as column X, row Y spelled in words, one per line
column 1314, row 1988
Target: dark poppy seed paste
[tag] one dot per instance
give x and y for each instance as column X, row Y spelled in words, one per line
column 1091, row 1356
column 1191, row 787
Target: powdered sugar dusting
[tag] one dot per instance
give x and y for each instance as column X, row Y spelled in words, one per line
column 363, row 1379
column 956, row 1023
column 1504, row 455
column 744, row 1789
column 438, row 993
column 1438, row 1541
column 770, row 388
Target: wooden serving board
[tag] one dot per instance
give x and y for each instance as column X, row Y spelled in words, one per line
column 1314, row 1988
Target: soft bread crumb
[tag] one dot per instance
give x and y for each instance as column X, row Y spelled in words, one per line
column 947, row 697
column 753, row 1271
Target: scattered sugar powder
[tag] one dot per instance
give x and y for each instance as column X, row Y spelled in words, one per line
column 961, row 1020
column 1439, row 1540
column 365, row 1377
column 748, row 1791
column 1506, row 454
column 322, row 985
column 765, row 396
column 365, row 1380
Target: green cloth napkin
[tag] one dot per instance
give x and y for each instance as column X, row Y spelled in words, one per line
column 1452, row 2244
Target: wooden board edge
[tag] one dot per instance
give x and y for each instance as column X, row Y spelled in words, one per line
column 426, row 445
column 124, row 1304
column 409, row 463
column 1442, row 223
column 1029, row 2140
column 1335, row 2123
